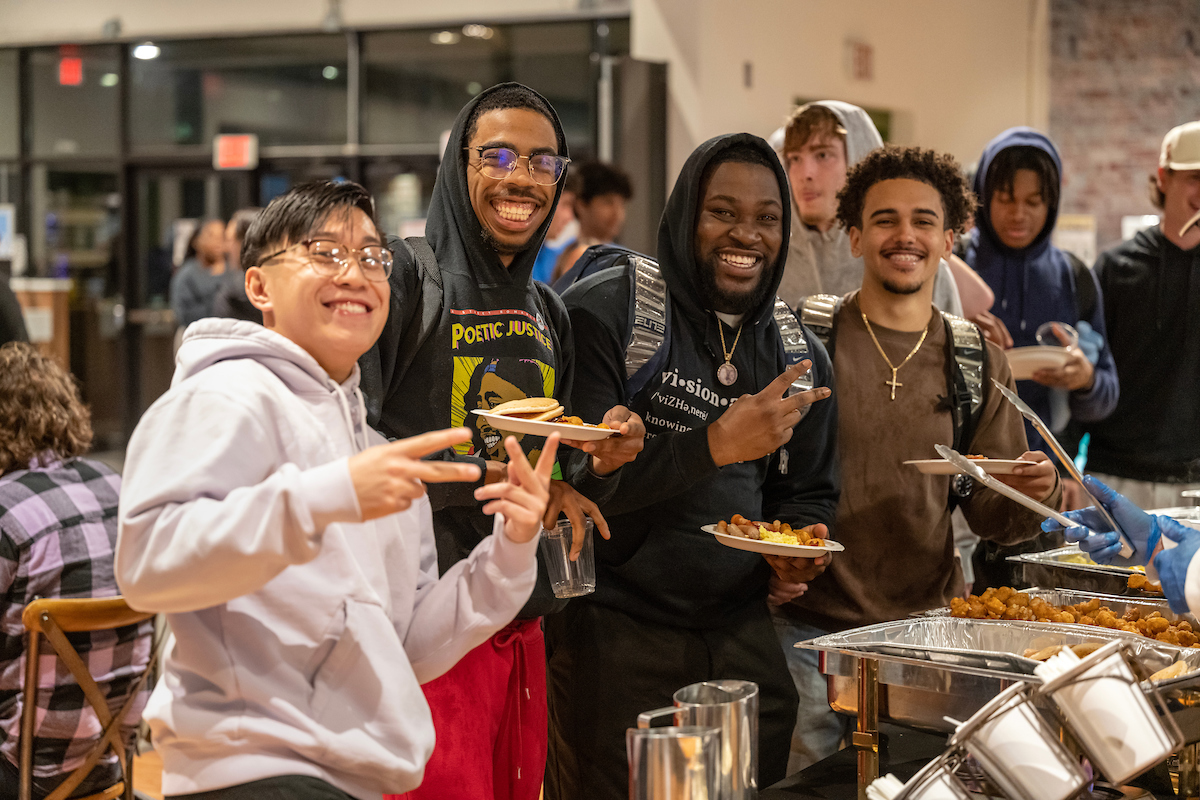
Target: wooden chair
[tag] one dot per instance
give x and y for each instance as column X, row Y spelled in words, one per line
column 54, row 619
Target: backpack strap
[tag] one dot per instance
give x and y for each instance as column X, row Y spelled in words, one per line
column 650, row 328
column 968, row 377
column 795, row 346
column 969, row 387
column 592, row 260
column 817, row 312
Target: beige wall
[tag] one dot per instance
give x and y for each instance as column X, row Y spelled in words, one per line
column 955, row 72
column 54, row 21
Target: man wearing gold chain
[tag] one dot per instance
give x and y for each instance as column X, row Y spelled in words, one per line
column 896, row 368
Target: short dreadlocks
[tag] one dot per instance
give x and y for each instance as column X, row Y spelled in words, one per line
column 938, row 170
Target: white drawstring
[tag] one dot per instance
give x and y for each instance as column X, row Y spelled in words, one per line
column 348, row 417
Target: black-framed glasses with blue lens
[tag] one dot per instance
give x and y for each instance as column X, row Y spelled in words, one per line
column 498, row 163
column 329, row 257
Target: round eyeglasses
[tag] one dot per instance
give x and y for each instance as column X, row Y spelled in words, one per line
column 329, row 258
column 498, row 163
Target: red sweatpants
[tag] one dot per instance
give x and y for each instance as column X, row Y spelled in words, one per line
column 489, row 714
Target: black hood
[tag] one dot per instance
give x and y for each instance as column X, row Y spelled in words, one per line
column 452, row 228
column 676, row 233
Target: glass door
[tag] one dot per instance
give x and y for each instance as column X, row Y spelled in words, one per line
column 174, row 206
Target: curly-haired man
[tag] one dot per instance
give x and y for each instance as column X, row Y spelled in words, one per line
column 902, row 388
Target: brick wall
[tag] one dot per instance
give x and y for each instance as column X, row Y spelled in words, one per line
column 1122, row 73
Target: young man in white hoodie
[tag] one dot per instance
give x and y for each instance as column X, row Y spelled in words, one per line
column 291, row 548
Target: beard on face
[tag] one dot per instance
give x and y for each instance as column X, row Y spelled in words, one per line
column 727, row 302
column 504, row 248
column 896, row 288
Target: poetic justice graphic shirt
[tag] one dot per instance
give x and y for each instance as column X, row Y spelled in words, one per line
column 468, row 334
column 497, row 356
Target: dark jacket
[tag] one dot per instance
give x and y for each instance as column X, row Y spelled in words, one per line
column 659, row 565
column 499, row 336
column 1035, row 285
column 12, row 319
column 1151, row 296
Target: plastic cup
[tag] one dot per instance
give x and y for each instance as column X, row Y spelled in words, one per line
column 1045, row 335
column 569, row 578
column 1110, row 715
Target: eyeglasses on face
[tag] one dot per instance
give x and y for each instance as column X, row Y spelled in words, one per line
column 328, row 257
column 498, row 163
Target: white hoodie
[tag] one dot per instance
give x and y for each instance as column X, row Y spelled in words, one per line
column 301, row 634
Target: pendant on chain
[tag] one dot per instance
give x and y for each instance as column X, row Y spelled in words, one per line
column 727, row 374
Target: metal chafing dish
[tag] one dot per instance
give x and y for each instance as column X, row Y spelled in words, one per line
column 1069, row 568
column 936, row 667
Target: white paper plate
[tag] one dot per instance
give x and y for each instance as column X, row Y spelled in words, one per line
column 1024, row 361
column 992, row 466
column 576, row 433
column 772, row 548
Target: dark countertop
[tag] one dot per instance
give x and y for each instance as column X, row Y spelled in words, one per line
column 902, row 752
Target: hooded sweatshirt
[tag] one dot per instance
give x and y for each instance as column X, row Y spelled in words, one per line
column 499, row 336
column 821, row 263
column 1151, row 294
column 301, row 633
column 659, row 565
column 1036, row 284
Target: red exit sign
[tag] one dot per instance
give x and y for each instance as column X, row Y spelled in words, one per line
column 70, row 71
column 235, row 151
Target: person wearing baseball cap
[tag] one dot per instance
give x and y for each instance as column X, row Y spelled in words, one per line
column 1149, row 448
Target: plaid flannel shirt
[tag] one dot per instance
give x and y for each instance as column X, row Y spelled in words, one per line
column 58, row 530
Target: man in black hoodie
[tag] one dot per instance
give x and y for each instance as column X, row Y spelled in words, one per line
column 1149, row 449
column 467, row 331
column 673, row 605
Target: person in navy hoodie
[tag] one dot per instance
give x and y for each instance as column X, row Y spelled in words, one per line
column 1018, row 183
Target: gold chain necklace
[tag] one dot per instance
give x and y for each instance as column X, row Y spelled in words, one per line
column 893, row 382
column 727, row 373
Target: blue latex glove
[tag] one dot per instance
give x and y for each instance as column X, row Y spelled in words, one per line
column 1172, row 564
column 1102, row 544
column 1090, row 342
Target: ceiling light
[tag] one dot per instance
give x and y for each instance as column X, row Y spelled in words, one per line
column 109, row 79
column 478, row 31
column 329, row 73
column 146, row 51
column 445, row 37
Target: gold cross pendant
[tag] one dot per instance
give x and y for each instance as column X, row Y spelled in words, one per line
column 893, row 383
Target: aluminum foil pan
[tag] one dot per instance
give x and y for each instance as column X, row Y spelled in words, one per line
column 1069, row 597
column 1069, row 568
column 937, row 667
column 981, row 647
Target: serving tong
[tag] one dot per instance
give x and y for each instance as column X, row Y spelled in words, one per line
column 1068, row 462
column 969, row 467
